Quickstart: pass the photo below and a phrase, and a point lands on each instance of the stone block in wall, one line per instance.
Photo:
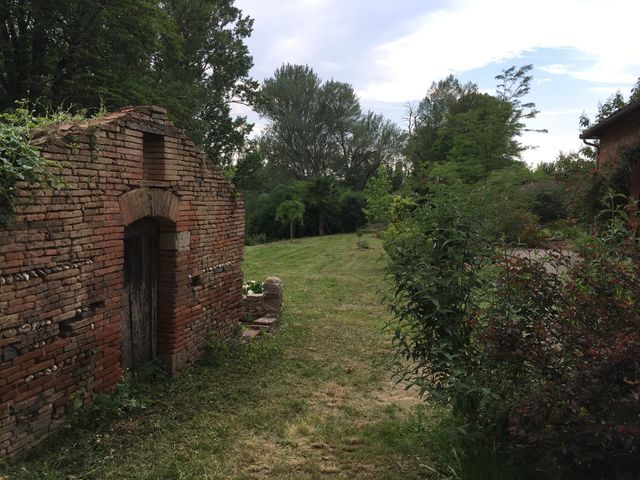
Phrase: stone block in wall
(265, 304)
(272, 297)
(179, 241)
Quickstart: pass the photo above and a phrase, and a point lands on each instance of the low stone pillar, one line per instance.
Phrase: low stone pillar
(272, 298)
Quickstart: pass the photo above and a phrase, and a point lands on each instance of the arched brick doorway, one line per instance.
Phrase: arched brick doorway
(140, 293)
(149, 275)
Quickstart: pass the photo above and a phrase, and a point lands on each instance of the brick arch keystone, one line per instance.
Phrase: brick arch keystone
(148, 202)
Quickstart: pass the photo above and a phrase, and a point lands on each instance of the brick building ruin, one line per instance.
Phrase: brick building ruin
(138, 257)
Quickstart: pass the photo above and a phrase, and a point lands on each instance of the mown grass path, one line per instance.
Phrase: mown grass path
(313, 401)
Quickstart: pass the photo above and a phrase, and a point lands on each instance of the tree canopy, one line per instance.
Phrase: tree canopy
(187, 55)
(476, 132)
(318, 129)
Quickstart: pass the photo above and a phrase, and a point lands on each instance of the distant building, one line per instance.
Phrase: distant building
(615, 133)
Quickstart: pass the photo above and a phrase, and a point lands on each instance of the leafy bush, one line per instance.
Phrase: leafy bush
(560, 354)
(533, 235)
(349, 214)
(583, 186)
(567, 229)
(539, 355)
(434, 259)
(378, 195)
(503, 202)
(545, 199)
(20, 160)
(363, 244)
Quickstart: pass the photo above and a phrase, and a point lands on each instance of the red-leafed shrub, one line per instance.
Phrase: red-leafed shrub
(539, 354)
(559, 347)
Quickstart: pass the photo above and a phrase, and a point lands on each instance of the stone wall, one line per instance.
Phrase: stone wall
(61, 265)
(265, 304)
(253, 306)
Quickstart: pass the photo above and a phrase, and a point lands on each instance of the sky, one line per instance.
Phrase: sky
(392, 50)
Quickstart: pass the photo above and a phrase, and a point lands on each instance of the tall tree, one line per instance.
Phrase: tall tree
(188, 55)
(212, 73)
(479, 137)
(371, 142)
(477, 132)
(304, 116)
(318, 129)
(431, 114)
(321, 194)
(79, 51)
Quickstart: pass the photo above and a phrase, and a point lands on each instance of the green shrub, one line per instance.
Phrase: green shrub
(252, 286)
(546, 199)
(255, 239)
(434, 258)
(21, 163)
(533, 235)
(536, 356)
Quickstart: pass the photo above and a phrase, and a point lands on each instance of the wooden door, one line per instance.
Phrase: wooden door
(139, 326)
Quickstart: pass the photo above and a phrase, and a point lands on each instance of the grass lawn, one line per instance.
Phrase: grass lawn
(314, 400)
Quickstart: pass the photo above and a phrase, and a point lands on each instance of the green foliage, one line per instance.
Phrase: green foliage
(20, 160)
(188, 55)
(515, 85)
(317, 129)
(133, 394)
(362, 244)
(252, 286)
(532, 353)
(321, 194)
(349, 214)
(616, 175)
(546, 199)
(502, 202)
(401, 208)
(434, 259)
(479, 137)
(468, 133)
(619, 218)
(378, 196)
(249, 172)
(255, 239)
(558, 346)
(635, 92)
(583, 187)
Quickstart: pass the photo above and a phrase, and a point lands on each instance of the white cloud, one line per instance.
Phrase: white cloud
(554, 68)
(470, 34)
(392, 51)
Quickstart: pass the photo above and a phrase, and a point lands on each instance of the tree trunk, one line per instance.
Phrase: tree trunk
(320, 221)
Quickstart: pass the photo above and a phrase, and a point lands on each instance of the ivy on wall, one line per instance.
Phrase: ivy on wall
(20, 162)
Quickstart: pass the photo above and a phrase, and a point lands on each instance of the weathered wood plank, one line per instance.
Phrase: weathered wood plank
(141, 278)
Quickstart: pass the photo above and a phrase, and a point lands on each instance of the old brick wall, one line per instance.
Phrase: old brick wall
(61, 265)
